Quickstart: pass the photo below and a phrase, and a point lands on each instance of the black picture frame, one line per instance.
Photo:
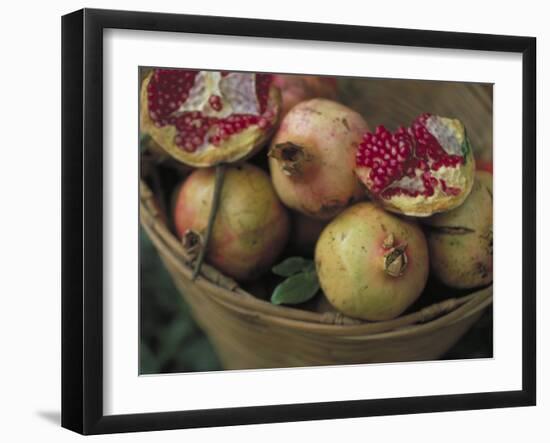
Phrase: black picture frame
(82, 220)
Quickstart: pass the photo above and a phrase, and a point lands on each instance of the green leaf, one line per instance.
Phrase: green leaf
(466, 145)
(298, 288)
(292, 265)
(143, 141)
(310, 267)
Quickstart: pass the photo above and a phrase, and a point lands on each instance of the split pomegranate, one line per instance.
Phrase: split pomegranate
(204, 118)
(297, 88)
(312, 157)
(370, 263)
(418, 171)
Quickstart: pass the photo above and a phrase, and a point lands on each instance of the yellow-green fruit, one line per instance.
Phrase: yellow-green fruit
(461, 241)
(251, 227)
(371, 264)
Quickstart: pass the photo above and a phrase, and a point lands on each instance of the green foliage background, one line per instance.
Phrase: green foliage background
(171, 341)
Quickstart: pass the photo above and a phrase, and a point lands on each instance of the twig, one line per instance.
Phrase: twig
(218, 184)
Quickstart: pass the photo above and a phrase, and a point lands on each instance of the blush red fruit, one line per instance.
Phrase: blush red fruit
(312, 158)
(298, 88)
(251, 227)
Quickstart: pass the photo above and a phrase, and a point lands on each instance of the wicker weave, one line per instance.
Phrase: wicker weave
(248, 332)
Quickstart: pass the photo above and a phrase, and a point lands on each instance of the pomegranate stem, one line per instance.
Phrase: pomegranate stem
(218, 184)
(291, 157)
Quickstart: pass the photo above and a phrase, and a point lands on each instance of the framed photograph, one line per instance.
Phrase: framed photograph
(269, 221)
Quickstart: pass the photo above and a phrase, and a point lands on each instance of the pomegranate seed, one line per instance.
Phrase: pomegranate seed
(215, 102)
(408, 152)
(168, 90)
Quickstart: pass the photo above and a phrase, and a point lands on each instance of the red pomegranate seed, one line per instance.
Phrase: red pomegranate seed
(405, 153)
(216, 102)
(168, 90)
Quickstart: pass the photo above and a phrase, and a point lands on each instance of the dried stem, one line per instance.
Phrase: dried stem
(218, 184)
(292, 158)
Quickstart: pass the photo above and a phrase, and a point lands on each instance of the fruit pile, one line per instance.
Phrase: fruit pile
(284, 183)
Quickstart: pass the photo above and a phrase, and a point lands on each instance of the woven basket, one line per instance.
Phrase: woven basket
(249, 332)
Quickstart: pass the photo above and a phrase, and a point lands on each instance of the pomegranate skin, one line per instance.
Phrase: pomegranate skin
(485, 166)
(297, 88)
(461, 241)
(312, 158)
(251, 227)
(351, 258)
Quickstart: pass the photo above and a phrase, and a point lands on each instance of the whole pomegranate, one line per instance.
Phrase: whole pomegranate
(371, 264)
(312, 158)
(420, 170)
(297, 88)
(461, 241)
(203, 118)
(251, 227)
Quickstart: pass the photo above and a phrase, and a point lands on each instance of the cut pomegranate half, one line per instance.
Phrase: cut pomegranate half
(204, 118)
(418, 171)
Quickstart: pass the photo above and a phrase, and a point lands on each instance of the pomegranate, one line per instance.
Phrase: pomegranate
(371, 264)
(485, 166)
(461, 241)
(420, 170)
(251, 227)
(204, 118)
(312, 157)
(297, 88)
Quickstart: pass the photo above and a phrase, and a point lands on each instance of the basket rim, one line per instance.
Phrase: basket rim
(369, 329)
(232, 296)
